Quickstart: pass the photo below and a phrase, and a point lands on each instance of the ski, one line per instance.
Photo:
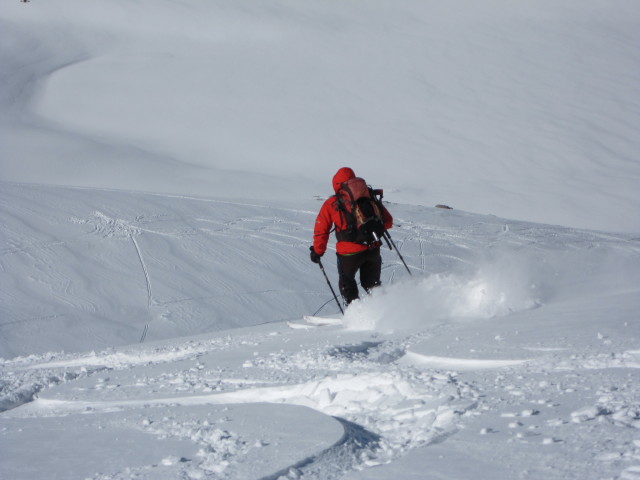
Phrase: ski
(322, 321)
(301, 326)
(311, 322)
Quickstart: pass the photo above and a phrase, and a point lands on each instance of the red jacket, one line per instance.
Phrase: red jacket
(330, 215)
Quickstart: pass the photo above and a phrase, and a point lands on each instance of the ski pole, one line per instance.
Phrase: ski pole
(329, 283)
(389, 239)
(377, 196)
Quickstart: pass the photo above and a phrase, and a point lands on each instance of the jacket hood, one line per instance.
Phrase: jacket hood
(342, 175)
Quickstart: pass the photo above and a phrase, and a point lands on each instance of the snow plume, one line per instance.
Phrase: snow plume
(496, 288)
(504, 280)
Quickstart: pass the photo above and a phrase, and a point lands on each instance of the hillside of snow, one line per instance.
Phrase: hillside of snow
(512, 350)
(526, 110)
(162, 164)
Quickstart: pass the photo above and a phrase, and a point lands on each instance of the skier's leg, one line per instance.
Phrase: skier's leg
(347, 268)
(370, 270)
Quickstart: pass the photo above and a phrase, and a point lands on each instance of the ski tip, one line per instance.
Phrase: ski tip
(301, 326)
(313, 320)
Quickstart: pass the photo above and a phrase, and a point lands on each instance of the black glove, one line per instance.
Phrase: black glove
(315, 258)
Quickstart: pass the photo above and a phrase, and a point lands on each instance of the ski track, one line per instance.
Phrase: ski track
(393, 402)
(384, 411)
(148, 283)
(390, 397)
(147, 279)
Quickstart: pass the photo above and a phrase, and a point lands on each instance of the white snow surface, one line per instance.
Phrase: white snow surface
(527, 110)
(162, 164)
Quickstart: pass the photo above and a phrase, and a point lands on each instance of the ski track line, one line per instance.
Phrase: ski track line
(396, 263)
(402, 242)
(148, 282)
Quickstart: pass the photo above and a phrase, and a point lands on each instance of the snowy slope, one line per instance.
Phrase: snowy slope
(525, 110)
(100, 268)
(512, 350)
(161, 335)
(88, 269)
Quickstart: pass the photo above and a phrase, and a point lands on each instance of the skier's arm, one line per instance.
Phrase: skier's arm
(322, 228)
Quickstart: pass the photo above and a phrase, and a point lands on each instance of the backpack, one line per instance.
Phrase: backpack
(363, 215)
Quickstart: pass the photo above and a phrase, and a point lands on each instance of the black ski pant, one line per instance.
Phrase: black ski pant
(369, 263)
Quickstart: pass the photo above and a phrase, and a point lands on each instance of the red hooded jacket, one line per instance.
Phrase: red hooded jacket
(330, 215)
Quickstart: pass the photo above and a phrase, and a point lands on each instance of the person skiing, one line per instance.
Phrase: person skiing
(354, 252)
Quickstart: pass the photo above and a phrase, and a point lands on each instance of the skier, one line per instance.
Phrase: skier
(353, 255)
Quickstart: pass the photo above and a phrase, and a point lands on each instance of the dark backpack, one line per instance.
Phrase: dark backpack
(362, 213)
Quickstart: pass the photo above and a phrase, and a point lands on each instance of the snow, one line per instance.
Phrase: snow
(522, 110)
(162, 165)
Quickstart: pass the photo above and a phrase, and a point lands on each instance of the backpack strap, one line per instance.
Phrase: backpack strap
(348, 234)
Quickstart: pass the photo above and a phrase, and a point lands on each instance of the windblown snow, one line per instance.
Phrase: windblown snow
(162, 166)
